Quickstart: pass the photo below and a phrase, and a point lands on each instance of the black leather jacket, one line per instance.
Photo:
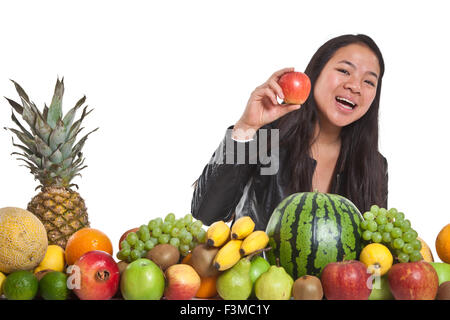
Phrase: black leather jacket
(229, 189)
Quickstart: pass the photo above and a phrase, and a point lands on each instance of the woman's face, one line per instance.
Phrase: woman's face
(347, 85)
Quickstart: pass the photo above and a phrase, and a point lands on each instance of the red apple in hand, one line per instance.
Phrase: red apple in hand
(296, 87)
(413, 281)
(346, 280)
(94, 276)
(183, 282)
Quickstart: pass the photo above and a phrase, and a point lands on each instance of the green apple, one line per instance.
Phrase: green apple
(443, 271)
(142, 280)
(381, 289)
(258, 266)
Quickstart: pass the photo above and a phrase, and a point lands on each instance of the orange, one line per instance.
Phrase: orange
(85, 240)
(207, 284)
(443, 244)
(207, 288)
(187, 258)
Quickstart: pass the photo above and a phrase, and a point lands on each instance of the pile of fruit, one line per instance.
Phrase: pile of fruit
(85, 268)
(315, 245)
(224, 262)
(182, 233)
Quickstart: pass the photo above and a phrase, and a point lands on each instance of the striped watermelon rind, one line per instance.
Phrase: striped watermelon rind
(311, 229)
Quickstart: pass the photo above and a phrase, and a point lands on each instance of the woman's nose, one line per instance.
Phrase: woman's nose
(354, 85)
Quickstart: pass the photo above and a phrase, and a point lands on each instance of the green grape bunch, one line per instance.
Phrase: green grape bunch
(183, 233)
(390, 228)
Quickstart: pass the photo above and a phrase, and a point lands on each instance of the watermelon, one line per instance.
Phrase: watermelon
(311, 229)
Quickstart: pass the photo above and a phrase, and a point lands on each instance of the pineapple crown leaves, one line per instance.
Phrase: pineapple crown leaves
(48, 148)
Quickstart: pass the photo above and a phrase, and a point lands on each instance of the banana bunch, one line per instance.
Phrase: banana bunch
(241, 240)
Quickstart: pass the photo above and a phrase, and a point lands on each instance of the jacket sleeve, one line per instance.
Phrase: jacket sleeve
(220, 187)
(385, 184)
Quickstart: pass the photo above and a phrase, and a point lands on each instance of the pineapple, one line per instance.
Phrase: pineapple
(50, 152)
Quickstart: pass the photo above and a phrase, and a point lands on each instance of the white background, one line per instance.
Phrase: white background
(166, 79)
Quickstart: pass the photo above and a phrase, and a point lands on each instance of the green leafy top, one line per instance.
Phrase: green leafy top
(49, 149)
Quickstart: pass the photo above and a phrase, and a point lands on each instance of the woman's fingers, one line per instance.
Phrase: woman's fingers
(286, 108)
(276, 88)
(277, 74)
(273, 81)
(293, 107)
(263, 106)
(265, 91)
(269, 92)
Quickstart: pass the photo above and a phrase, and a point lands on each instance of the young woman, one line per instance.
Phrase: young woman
(328, 144)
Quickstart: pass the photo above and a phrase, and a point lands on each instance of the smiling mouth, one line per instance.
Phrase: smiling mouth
(345, 103)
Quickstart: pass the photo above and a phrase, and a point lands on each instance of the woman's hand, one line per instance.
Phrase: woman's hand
(263, 107)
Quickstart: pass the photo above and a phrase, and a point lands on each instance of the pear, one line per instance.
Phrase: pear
(235, 283)
(274, 284)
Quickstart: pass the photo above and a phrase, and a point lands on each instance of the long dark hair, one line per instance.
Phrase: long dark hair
(359, 161)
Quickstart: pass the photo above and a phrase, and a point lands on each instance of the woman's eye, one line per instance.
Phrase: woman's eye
(343, 71)
(370, 83)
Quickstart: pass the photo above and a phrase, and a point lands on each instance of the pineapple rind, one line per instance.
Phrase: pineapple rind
(62, 211)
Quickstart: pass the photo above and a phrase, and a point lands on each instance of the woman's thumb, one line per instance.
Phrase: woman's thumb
(292, 107)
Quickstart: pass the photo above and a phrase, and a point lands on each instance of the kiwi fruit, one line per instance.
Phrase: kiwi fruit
(443, 291)
(39, 275)
(307, 288)
(164, 255)
(202, 260)
(122, 265)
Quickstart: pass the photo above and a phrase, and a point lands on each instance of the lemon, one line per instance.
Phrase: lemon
(2, 278)
(377, 258)
(53, 259)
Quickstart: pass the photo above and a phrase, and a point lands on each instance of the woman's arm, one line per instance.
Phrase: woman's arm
(220, 187)
(221, 184)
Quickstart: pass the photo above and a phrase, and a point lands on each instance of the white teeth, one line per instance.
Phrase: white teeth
(348, 101)
(346, 107)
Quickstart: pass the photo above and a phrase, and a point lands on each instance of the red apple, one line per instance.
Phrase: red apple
(346, 280)
(183, 282)
(94, 276)
(296, 87)
(413, 281)
(125, 235)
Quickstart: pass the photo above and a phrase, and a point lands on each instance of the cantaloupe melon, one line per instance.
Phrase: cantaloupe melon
(425, 251)
(23, 240)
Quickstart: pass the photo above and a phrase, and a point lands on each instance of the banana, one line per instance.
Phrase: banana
(228, 255)
(242, 228)
(254, 241)
(218, 233)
